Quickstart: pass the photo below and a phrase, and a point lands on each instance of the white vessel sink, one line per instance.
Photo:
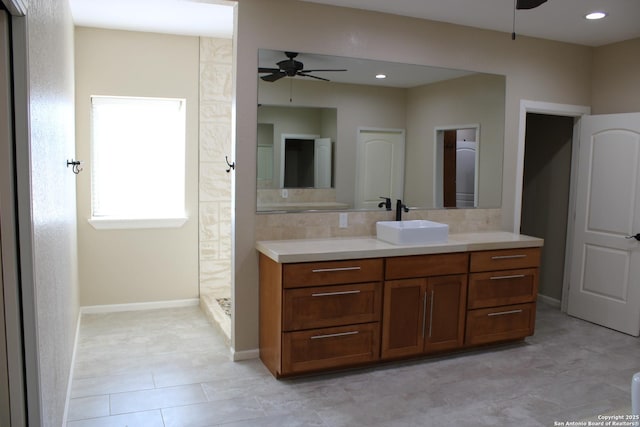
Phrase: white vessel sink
(412, 232)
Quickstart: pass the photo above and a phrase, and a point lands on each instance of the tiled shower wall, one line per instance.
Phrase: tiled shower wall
(215, 182)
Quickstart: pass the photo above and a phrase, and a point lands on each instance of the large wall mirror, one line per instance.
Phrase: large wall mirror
(340, 140)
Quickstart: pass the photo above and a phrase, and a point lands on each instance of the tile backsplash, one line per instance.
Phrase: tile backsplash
(309, 225)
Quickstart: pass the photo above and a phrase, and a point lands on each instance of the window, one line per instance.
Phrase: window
(137, 162)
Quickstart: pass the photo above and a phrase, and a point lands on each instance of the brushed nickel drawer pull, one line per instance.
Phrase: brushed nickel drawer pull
(424, 313)
(508, 256)
(341, 334)
(502, 313)
(431, 313)
(514, 276)
(329, 270)
(328, 294)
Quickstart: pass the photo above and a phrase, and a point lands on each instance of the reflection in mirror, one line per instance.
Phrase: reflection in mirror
(429, 136)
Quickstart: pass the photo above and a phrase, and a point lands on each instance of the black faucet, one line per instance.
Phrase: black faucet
(386, 203)
(399, 208)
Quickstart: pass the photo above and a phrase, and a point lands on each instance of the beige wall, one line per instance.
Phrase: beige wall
(616, 78)
(142, 265)
(476, 99)
(535, 69)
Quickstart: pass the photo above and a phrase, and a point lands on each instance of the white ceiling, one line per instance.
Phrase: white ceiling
(363, 71)
(561, 20)
(210, 18)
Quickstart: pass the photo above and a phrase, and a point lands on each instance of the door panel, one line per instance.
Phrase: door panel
(605, 265)
(605, 272)
(614, 171)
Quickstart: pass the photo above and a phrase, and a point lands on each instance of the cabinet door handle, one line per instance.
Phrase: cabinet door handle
(341, 334)
(502, 313)
(431, 313)
(424, 313)
(509, 256)
(513, 276)
(329, 270)
(328, 294)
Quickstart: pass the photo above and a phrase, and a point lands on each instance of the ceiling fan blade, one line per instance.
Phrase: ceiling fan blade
(273, 77)
(528, 4)
(314, 71)
(313, 77)
(268, 70)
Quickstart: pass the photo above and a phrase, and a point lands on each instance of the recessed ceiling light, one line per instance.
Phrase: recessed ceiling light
(381, 76)
(595, 15)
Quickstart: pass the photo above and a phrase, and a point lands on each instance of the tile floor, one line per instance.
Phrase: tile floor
(171, 368)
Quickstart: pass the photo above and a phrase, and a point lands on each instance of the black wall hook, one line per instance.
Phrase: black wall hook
(75, 166)
(231, 165)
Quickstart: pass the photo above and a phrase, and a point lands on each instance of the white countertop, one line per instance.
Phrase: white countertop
(341, 248)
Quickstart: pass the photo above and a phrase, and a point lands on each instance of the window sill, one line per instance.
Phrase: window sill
(136, 223)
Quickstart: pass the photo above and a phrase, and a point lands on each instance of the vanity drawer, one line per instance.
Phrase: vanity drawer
(500, 323)
(319, 307)
(405, 267)
(332, 272)
(502, 288)
(330, 347)
(504, 259)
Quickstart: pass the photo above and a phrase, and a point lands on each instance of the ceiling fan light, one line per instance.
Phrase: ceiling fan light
(595, 15)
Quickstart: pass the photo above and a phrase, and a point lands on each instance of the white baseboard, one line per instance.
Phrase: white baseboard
(237, 356)
(556, 303)
(112, 308)
(65, 414)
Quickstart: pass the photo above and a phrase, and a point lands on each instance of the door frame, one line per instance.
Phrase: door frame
(552, 109)
(438, 155)
(17, 242)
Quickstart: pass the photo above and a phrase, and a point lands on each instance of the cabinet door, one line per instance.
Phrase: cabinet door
(403, 320)
(445, 311)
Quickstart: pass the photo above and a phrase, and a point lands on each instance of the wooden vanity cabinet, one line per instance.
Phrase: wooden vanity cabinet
(424, 304)
(319, 315)
(503, 287)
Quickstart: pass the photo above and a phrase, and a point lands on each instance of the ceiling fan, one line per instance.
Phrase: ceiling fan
(523, 5)
(289, 68)
(528, 4)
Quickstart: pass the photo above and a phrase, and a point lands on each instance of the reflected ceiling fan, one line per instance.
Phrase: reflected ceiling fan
(523, 5)
(528, 4)
(289, 68)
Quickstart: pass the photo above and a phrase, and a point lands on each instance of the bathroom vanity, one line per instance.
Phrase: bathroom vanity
(335, 303)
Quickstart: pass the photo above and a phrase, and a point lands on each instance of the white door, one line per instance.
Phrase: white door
(322, 163)
(379, 166)
(605, 264)
(465, 174)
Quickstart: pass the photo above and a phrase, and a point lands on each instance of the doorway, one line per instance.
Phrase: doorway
(544, 163)
(379, 166)
(456, 166)
(545, 195)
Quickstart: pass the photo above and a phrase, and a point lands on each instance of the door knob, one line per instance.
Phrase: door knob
(637, 237)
